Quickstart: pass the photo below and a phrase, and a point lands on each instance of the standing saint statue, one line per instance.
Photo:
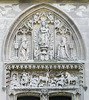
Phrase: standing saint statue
(23, 51)
(62, 49)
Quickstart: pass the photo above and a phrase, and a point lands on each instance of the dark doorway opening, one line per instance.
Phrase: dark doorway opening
(28, 98)
(60, 98)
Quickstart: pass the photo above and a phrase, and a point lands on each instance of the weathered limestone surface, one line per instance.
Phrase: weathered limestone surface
(79, 13)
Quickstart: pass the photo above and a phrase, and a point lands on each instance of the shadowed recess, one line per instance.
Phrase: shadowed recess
(28, 98)
(60, 98)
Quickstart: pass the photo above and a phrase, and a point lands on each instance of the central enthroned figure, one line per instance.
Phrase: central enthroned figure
(44, 34)
(44, 40)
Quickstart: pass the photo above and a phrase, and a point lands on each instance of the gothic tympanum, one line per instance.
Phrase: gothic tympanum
(46, 36)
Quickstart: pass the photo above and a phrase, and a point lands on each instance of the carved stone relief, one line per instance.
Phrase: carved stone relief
(44, 37)
(43, 54)
(44, 78)
(14, 79)
(21, 47)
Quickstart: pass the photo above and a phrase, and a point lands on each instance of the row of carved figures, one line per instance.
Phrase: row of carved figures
(43, 52)
(41, 80)
(36, 39)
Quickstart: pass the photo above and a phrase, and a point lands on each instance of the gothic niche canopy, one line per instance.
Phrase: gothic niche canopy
(44, 36)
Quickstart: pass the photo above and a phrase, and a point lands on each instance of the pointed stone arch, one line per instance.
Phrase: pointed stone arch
(32, 10)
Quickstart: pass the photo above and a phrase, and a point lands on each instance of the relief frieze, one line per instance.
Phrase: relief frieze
(44, 78)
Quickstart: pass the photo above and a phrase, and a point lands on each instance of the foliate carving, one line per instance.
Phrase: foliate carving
(50, 17)
(59, 26)
(44, 36)
(43, 16)
(36, 18)
(44, 78)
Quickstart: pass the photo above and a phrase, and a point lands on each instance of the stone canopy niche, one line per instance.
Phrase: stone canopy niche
(42, 53)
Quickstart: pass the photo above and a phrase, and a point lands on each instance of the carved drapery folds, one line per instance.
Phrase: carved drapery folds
(44, 37)
(21, 47)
